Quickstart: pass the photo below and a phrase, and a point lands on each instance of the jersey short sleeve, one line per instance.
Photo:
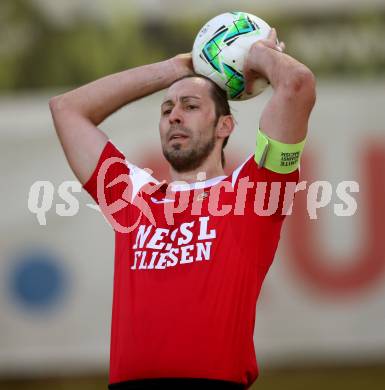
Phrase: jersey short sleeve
(267, 186)
(117, 185)
(113, 162)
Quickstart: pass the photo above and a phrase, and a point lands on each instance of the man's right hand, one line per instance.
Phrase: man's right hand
(182, 64)
(77, 113)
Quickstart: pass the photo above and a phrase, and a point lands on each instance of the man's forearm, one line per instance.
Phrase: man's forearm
(277, 67)
(99, 99)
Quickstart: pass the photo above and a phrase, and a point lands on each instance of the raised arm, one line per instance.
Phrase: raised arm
(76, 114)
(285, 117)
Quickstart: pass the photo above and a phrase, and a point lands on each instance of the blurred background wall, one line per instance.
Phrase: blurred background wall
(321, 316)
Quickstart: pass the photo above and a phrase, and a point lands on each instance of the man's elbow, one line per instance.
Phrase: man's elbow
(56, 104)
(65, 105)
(300, 84)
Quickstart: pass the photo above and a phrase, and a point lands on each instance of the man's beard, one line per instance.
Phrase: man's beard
(185, 159)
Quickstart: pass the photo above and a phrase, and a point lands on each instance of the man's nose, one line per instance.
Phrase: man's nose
(176, 115)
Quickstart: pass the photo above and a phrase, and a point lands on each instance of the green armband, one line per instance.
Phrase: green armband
(277, 156)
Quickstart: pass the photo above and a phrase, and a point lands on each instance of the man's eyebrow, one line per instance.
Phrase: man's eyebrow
(189, 97)
(182, 98)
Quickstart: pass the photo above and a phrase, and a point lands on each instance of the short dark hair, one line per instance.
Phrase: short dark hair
(222, 106)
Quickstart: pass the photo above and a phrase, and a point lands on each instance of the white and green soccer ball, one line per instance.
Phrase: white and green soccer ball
(220, 49)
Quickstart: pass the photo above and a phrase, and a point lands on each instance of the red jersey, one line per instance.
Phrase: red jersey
(189, 264)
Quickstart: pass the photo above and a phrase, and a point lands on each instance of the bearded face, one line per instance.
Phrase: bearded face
(188, 124)
(186, 151)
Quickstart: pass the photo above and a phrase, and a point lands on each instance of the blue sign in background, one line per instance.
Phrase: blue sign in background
(37, 279)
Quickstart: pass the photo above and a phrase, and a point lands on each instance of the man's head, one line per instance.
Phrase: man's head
(195, 122)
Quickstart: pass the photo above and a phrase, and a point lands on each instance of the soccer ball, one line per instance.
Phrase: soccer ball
(220, 49)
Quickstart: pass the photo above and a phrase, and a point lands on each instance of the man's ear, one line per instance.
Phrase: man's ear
(225, 126)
